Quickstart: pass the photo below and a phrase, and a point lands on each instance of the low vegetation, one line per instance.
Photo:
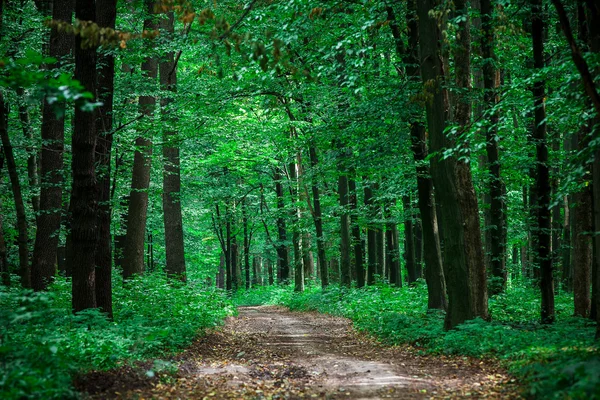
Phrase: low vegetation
(43, 345)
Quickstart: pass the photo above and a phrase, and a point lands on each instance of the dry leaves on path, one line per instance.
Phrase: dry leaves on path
(271, 353)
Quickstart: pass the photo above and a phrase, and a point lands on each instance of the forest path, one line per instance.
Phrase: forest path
(270, 352)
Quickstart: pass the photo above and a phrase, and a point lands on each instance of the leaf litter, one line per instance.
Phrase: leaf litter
(271, 353)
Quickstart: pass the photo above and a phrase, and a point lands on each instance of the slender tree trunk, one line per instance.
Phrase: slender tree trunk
(392, 256)
(4, 272)
(345, 275)
(43, 267)
(246, 244)
(418, 241)
(371, 236)
(173, 220)
(106, 13)
(543, 233)
(356, 239)
(133, 260)
(409, 243)
(24, 270)
(84, 195)
(491, 80)
(32, 154)
(318, 218)
(229, 270)
(454, 188)
(282, 250)
(296, 217)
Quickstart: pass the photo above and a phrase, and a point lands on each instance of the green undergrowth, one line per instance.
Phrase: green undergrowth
(553, 362)
(43, 345)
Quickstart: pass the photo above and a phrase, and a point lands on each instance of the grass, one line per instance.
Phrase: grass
(43, 345)
(560, 361)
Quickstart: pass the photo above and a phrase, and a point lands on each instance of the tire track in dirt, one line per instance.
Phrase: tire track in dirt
(272, 353)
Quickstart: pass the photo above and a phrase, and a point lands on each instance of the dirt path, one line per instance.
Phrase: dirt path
(269, 352)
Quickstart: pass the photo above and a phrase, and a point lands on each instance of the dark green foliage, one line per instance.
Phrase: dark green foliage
(42, 345)
(559, 361)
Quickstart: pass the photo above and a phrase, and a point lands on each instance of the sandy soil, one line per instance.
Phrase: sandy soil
(271, 353)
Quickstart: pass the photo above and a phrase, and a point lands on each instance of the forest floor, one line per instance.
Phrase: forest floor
(272, 353)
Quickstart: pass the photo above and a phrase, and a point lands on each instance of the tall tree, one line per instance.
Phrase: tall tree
(491, 81)
(542, 184)
(43, 266)
(451, 177)
(84, 196)
(318, 217)
(133, 259)
(173, 220)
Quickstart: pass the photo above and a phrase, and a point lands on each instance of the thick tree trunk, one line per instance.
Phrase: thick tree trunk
(497, 227)
(582, 263)
(543, 189)
(11, 166)
(133, 259)
(454, 188)
(106, 13)
(43, 267)
(418, 235)
(318, 218)
(173, 221)
(84, 195)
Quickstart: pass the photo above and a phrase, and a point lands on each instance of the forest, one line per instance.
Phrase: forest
(284, 199)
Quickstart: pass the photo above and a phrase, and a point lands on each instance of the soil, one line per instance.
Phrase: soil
(272, 353)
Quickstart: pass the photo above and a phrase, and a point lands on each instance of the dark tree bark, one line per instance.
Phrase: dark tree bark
(543, 189)
(33, 165)
(4, 272)
(173, 220)
(418, 240)
(359, 265)
(107, 14)
(11, 166)
(371, 236)
(454, 188)
(282, 250)
(582, 263)
(345, 274)
(43, 267)
(246, 244)
(497, 227)
(133, 260)
(409, 241)
(432, 254)
(392, 256)
(84, 195)
(318, 218)
(295, 214)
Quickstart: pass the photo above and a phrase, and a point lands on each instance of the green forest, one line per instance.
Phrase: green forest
(286, 199)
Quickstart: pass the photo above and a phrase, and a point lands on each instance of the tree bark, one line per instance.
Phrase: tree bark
(133, 259)
(282, 250)
(392, 256)
(173, 221)
(497, 227)
(371, 235)
(345, 275)
(454, 188)
(318, 218)
(543, 189)
(107, 14)
(4, 272)
(43, 267)
(409, 241)
(84, 195)
(294, 172)
(359, 265)
(24, 270)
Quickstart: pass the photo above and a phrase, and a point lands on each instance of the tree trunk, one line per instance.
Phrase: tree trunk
(497, 227)
(32, 153)
(409, 241)
(454, 188)
(392, 256)
(345, 275)
(24, 270)
(43, 267)
(282, 250)
(4, 272)
(318, 218)
(246, 244)
(294, 171)
(371, 235)
(84, 195)
(418, 241)
(133, 259)
(106, 13)
(543, 189)
(173, 221)
(359, 265)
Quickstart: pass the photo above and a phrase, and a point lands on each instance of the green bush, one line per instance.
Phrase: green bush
(42, 344)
